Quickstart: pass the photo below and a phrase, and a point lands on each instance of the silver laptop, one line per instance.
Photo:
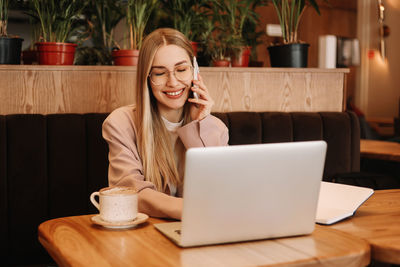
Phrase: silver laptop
(248, 192)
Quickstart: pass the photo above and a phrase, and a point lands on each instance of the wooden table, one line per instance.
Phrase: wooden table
(384, 126)
(378, 222)
(383, 150)
(75, 241)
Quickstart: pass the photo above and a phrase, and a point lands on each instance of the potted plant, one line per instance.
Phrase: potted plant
(215, 36)
(252, 38)
(188, 17)
(57, 20)
(237, 13)
(138, 13)
(292, 52)
(10, 46)
(102, 16)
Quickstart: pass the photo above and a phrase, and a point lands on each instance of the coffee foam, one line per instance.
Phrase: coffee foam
(119, 191)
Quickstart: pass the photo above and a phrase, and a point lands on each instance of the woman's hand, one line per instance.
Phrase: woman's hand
(158, 204)
(201, 107)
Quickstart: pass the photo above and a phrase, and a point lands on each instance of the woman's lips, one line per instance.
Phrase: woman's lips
(174, 94)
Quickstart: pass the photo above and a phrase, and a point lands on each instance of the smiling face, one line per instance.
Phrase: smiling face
(171, 96)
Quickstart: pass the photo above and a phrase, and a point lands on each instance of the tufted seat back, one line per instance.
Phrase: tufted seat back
(339, 129)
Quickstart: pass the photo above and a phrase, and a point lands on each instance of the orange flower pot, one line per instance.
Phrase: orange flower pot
(242, 60)
(125, 57)
(221, 63)
(53, 53)
(195, 45)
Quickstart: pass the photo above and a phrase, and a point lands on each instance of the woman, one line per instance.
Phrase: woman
(147, 142)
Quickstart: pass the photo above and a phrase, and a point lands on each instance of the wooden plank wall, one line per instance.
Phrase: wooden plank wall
(83, 89)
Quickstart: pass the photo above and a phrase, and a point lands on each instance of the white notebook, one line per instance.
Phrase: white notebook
(338, 201)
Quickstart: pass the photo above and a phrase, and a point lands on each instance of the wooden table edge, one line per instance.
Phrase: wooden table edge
(379, 252)
(371, 155)
(384, 254)
(364, 254)
(54, 253)
(367, 152)
(361, 257)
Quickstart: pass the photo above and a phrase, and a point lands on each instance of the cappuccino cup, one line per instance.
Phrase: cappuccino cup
(116, 204)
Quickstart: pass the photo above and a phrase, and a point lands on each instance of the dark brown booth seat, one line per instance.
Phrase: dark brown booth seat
(50, 164)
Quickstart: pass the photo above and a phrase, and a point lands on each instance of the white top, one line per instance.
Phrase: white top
(172, 127)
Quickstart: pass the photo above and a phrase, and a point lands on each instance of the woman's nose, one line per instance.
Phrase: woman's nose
(172, 81)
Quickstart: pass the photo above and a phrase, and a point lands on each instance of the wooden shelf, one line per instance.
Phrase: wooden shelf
(84, 89)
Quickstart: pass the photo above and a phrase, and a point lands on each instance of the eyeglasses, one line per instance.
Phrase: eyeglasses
(160, 76)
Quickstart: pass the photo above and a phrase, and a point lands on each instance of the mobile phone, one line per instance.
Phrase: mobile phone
(195, 75)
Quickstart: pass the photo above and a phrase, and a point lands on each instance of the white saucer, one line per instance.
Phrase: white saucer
(141, 218)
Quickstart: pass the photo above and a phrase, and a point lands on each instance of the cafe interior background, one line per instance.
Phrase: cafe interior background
(373, 83)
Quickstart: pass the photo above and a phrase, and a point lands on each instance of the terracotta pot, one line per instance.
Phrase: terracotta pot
(242, 60)
(195, 45)
(29, 57)
(53, 53)
(221, 63)
(125, 57)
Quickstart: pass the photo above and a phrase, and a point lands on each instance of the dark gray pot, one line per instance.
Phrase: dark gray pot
(289, 55)
(10, 50)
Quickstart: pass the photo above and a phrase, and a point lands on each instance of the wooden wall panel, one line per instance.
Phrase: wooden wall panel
(38, 89)
(275, 90)
(83, 89)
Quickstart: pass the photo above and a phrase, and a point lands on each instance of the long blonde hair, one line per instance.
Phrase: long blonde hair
(159, 165)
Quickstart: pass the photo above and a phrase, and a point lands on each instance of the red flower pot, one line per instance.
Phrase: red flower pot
(242, 60)
(221, 63)
(53, 53)
(125, 57)
(195, 45)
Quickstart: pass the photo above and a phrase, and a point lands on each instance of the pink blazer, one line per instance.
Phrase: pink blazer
(125, 164)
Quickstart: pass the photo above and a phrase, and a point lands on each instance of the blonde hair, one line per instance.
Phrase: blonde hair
(159, 165)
